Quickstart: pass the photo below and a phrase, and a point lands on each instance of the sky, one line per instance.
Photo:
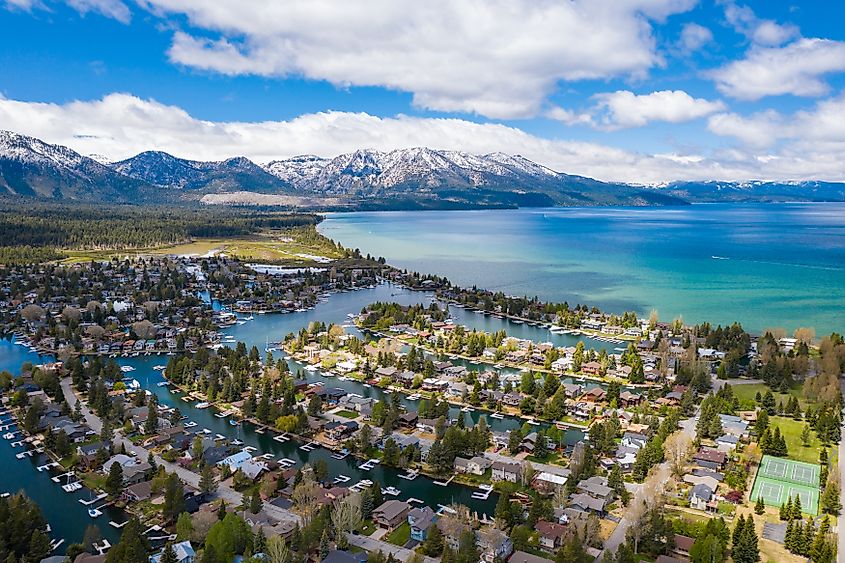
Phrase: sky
(644, 91)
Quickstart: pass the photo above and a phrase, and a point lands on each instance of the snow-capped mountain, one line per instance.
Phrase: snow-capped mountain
(164, 170)
(419, 168)
(31, 167)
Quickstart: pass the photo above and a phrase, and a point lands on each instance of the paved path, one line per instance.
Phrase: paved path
(400, 553)
(231, 496)
(662, 473)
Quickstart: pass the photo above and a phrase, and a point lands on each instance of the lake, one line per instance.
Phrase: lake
(765, 265)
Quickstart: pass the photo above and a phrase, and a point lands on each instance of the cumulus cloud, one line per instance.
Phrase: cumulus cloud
(820, 128)
(495, 58)
(797, 68)
(759, 31)
(625, 109)
(694, 37)
(109, 8)
(121, 125)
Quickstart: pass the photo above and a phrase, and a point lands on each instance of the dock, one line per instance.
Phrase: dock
(47, 466)
(309, 447)
(114, 524)
(58, 478)
(413, 500)
(54, 544)
(483, 493)
(286, 462)
(343, 454)
(93, 500)
(341, 479)
(444, 483)
(410, 475)
(281, 438)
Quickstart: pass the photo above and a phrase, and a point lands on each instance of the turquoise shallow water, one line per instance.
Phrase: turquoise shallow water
(765, 265)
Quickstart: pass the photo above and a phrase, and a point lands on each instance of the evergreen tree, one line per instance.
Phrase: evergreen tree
(759, 508)
(169, 554)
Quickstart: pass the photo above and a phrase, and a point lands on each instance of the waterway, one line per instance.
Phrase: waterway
(69, 518)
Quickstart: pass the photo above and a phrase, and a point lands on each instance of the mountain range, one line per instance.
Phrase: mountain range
(364, 179)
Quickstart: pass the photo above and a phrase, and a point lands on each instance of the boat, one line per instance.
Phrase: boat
(467, 409)
(234, 423)
(392, 491)
(93, 512)
(126, 369)
(203, 405)
(162, 383)
(159, 367)
(497, 416)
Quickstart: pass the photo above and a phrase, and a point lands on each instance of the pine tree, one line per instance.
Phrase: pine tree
(759, 508)
(789, 537)
(168, 555)
(786, 509)
(796, 508)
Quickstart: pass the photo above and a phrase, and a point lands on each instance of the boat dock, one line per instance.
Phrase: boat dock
(341, 479)
(58, 478)
(444, 483)
(286, 462)
(367, 465)
(309, 447)
(93, 500)
(410, 475)
(114, 524)
(484, 494)
(47, 466)
(343, 454)
(413, 500)
(281, 438)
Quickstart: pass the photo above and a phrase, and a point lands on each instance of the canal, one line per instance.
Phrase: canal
(69, 518)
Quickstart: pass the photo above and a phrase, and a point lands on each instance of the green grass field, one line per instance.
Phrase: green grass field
(400, 535)
(746, 394)
(791, 430)
(778, 479)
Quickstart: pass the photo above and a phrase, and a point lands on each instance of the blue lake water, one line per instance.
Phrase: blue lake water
(765, 265)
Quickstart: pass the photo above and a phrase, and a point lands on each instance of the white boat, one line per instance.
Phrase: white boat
(202, 405)
(497, 415)
(392, 491)
(126, 369)
(93, 512)
(159, 368)
(467, 409)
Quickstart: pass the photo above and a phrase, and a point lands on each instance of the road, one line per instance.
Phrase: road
(661, 474)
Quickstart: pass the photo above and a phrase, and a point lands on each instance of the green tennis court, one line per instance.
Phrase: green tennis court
(778, 479)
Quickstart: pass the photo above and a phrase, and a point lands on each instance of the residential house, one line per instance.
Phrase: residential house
(551, 535)
(420, 520)
(391, 514)
(494, 543)
(184, 553)
(701, 498)
(505, 471)
(524, 557)
(710, 458)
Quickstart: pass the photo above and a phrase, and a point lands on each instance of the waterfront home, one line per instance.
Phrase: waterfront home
(551, 535)
(330, 396)
(433, 384)
(505, 471)
(235, 461)
(184, 553)
(547, 483)
(710, 458)
(573, 390)
(591, 368)
(405, 378)
(701, 498)
(391, 514)
(387, 371)
(137, 492)
(421, 520)
(337, 431)
(88, 453)
(594, 395)
(524, 557)
(476, 466)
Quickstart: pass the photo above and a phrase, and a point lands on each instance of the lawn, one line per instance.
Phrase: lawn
(747, 393)
(400, 535)
(791, 430)
(347, 414)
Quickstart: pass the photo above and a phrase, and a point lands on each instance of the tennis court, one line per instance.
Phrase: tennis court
(779, 479)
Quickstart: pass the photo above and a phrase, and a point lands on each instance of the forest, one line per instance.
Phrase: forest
(37, 231)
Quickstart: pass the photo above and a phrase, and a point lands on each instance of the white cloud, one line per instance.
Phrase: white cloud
(625, 109)
(569, 117)
(498, 58)
(820, 128)
(797, 68)
(694, 37)
(759, 31)
(121, 125)
(109, 8)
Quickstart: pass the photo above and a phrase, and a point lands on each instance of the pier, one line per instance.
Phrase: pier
(47, 466)
(444, 483)
(309, 447)
(410, 475)
(93, 500)
(281, 438)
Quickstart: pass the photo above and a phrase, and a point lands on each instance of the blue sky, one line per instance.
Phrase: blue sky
(636, 90)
